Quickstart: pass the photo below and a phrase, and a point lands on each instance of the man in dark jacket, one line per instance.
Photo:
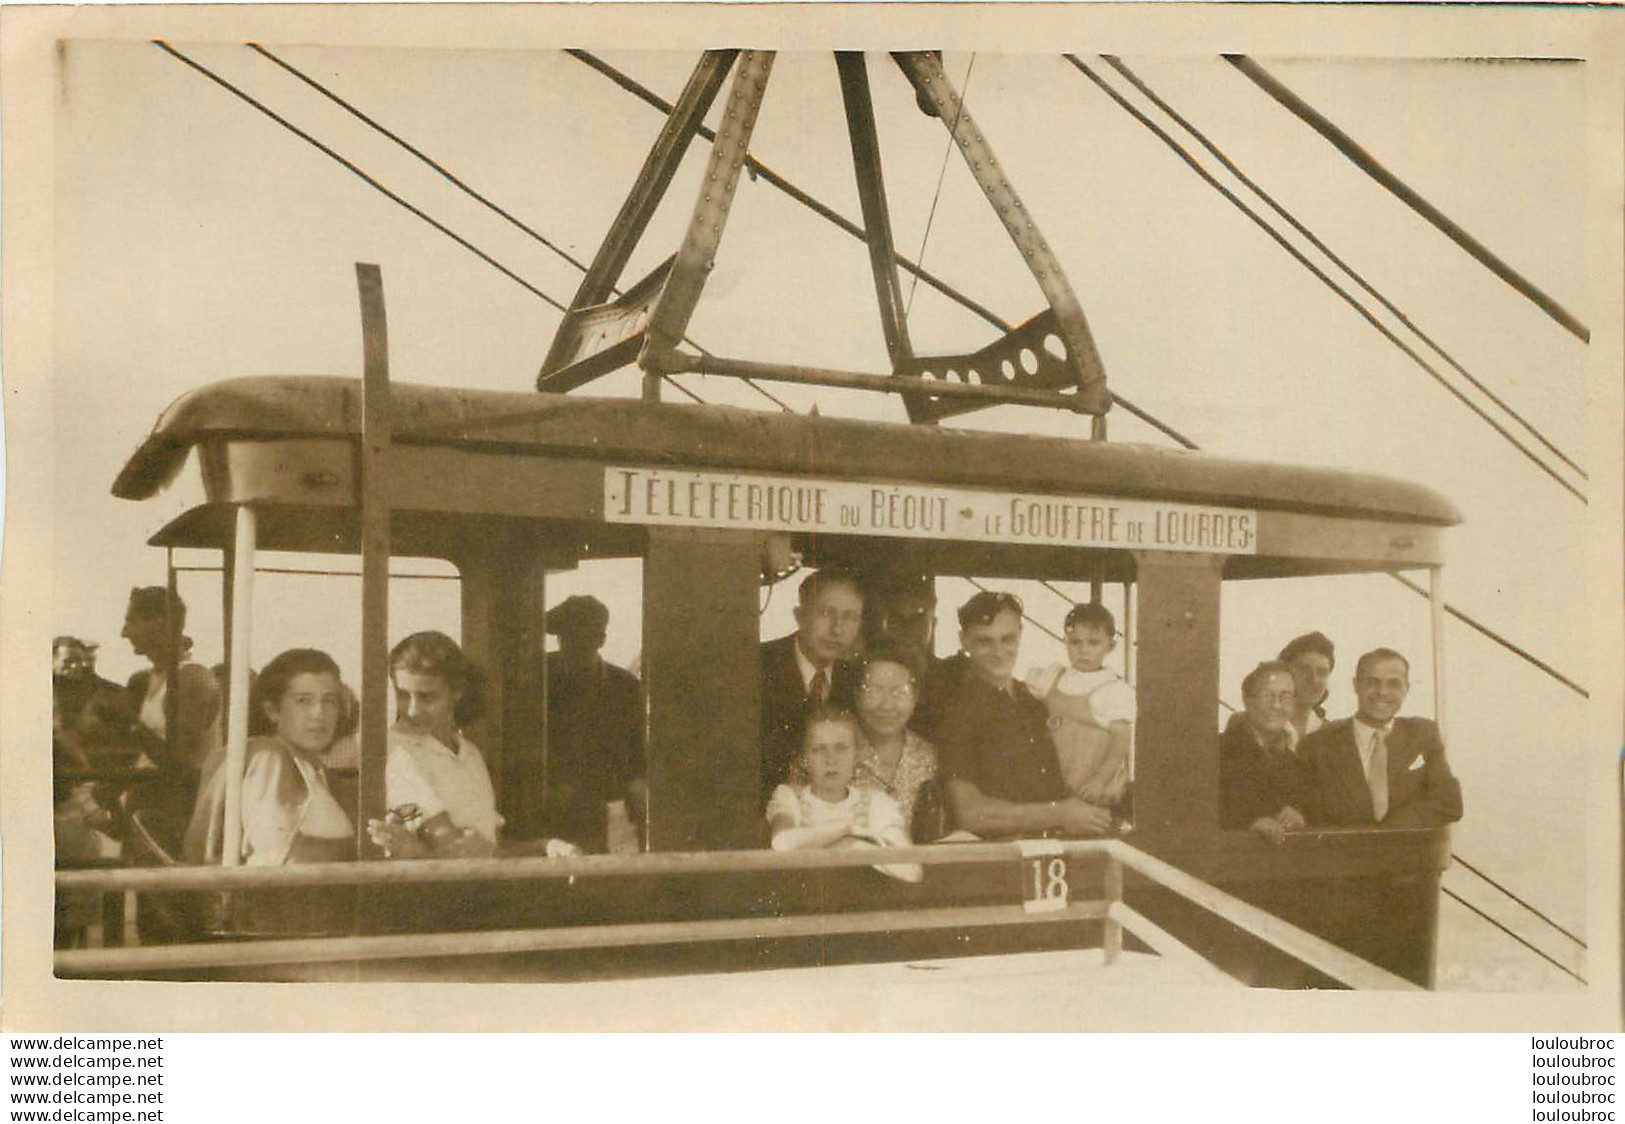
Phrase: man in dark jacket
(808, 667)
(594, 728)
(1376, 768)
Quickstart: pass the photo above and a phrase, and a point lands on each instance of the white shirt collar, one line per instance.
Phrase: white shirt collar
(429, 741)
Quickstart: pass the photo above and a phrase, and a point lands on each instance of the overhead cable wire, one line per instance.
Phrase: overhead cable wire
(1559, 965)
(1369, 164)
(1190, 161)
(1484, 630)
(355, 170)
(358, 173)
(446, 174)
(823, 210)
(1399, 314)
(942, 174)
(1469, 866)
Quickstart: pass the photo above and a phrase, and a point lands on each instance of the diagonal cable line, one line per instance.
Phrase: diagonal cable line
(1484, 630)
(942, 173)
(1368, 164)
(374, 184)
(1201, 138)
(446, 174)
(1469, 866)
(357, 172)
(1544, 956)
(1190, 161)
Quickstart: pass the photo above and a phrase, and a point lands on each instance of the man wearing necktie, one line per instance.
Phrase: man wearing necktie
(808, 667)
(1376, 768)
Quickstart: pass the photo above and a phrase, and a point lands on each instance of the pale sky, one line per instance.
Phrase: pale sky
(199, 241)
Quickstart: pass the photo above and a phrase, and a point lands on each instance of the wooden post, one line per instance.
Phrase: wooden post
(228, 566)
(504, 577)
(701, 670)
(242, 626)
(375, 439)
(1129, 644)
(1176, 778)
(1112, 939)
(173, 636)
(1436, 609)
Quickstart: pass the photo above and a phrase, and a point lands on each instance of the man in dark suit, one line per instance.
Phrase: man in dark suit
(1376, 768)
(808, 666)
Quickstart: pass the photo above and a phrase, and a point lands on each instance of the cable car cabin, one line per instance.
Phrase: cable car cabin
(509, 487)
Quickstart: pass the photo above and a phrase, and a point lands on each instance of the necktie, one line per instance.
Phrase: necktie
(1377, 775)
(820, 686)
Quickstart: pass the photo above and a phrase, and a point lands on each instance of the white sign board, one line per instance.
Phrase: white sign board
(849, 507)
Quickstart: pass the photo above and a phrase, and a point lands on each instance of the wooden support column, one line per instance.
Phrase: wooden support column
(174, 635)
(1176, 777)
(700, 669)
(374, 481)
(504, 582)
(237, 663)
(1436, 611)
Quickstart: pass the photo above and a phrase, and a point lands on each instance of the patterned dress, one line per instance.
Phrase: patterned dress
(917, 765)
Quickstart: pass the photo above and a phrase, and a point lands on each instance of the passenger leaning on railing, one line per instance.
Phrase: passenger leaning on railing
(435, 780)
(829, 809)
(1263, 784)
(1003, 778)
(289, 813)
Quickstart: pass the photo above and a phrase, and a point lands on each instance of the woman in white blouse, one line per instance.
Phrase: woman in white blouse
(435, 779)
(289, 813)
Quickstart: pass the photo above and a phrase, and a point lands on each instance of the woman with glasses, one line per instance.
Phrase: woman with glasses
(1262, 783)
(892, 757)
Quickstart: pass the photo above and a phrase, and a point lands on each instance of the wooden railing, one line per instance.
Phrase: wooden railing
(1319, 954)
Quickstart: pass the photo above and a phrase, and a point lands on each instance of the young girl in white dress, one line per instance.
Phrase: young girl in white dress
(829, 810)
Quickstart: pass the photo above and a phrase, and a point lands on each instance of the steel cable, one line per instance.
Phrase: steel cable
(446, 174)
(1399, 314)
(1190, 161)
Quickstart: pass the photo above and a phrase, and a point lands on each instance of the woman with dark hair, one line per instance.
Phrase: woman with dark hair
(289, 813)
(892, 757)
(435, 780)
(1311, 658)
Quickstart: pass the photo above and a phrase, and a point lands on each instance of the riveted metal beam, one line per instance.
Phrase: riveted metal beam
(935, 93)
(697, 255)
(860, 124)
(583, 323)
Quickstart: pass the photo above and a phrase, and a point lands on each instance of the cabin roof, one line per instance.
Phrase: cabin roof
(719, 437)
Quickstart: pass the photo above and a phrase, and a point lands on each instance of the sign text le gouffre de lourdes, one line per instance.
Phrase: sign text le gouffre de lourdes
(849, 507)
